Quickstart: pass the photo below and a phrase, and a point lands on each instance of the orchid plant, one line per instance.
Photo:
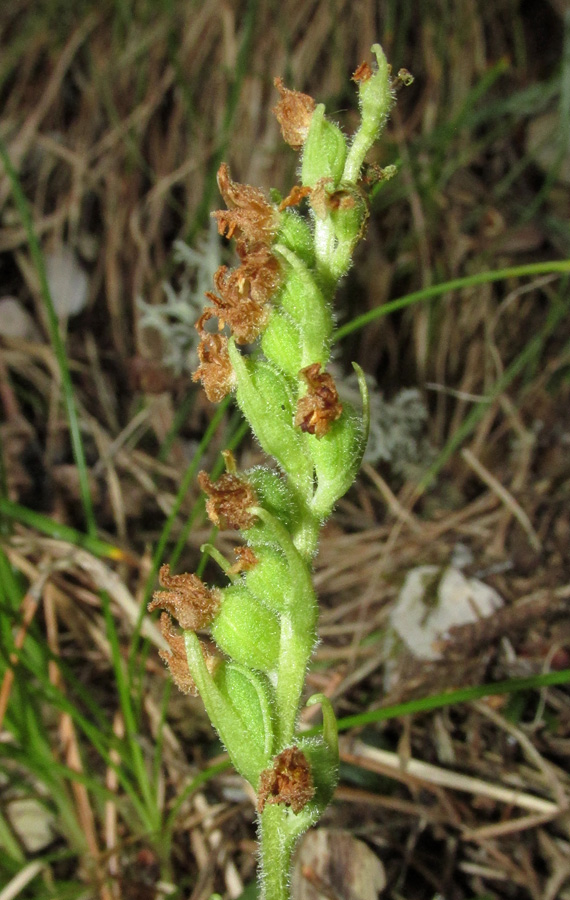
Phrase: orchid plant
(262, 624)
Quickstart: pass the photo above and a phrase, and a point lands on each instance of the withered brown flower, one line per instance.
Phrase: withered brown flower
(294, 113)
(187, 599)
(363, 72)
(229, 500)
(215, 370)
(259, 274)
(288, 781)
(320, 406)
(249, 215)
(246, 560)
(176, 659)
(297, 193)
(246, 316)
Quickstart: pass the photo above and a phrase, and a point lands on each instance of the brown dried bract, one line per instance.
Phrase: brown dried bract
(246, 560)
(249, 215)
(363, 72)
(294, 113)
(215, 370)
(229, 500)
(320, 406)
(187, 599)
(288, 781)
(297, 193)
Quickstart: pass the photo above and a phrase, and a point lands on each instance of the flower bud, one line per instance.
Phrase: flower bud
(281, 343)
(324, 152)
(375, 93)
(295, 234)
(270, 580)
(265, 399)
(337, 456)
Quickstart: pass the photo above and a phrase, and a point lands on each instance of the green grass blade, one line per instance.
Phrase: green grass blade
(60, 532)
(131, 726)
(456, 284)
(56, 340)
(450, 698)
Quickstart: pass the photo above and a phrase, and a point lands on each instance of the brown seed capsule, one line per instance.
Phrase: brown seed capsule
(187, 599)
(294, 113)
(288, 781)
(249, 215)
(215, 370)
(320, 406)
(229, 500)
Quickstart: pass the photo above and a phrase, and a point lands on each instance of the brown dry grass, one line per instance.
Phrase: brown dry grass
(116, 126)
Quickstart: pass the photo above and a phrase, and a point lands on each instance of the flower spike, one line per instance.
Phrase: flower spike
(263, 622)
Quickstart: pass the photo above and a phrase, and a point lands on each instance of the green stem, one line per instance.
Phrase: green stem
(277, 842)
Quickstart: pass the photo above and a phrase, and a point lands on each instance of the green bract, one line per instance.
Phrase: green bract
(263, 623)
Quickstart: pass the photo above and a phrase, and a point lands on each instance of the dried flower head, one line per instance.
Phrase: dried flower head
(229, 500)
(288, 781)
(249, 215)
(246, 316)
(187, 599)
(320, 406)
(215, 370)
(260, 273)
(294, 113)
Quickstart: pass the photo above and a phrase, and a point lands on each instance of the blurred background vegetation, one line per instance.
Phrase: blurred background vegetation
(114, 119)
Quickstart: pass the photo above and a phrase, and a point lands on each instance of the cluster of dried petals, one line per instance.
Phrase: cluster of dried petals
(320, 406)
(215, 370)
(259, 274)
(249, 216)
(288, 781)
(186, 598)
(243, 295)
(230, 499)
(246, 560)
(294, 113)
